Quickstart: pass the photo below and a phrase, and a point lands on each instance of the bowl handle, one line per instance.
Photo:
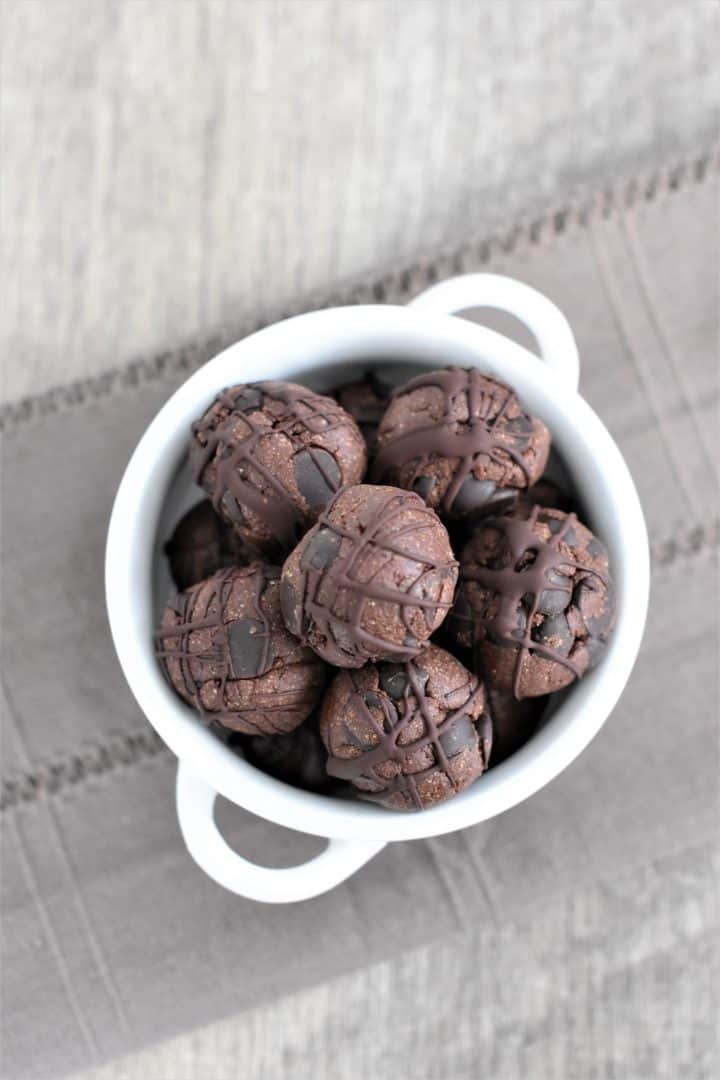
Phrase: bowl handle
(543, 319)
(195, 802)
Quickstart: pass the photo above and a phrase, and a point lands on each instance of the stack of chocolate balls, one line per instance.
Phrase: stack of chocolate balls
(382, 588)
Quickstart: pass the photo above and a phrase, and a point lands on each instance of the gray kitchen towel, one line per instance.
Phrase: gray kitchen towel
(112, 938)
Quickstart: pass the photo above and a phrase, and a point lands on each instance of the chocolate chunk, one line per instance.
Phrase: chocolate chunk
(351, 739)
(317, 475)
(423, 485)
(485, 729)
(248, 399)
(501, 502)
(473, 494)
(251, 652)
(519, 425)
(554, 601)
(321, 549)
(373, 700)
(290, 607)
(597, 548)
(232, 510)
(597, 605)
(460, 736)
(393, 680)
(386, 708)
(554, 630)
(595, 650)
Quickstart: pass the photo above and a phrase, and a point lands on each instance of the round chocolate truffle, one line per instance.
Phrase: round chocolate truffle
(372, 580)
(270, 455)
(366, 401)
(462, 440)
(225, 649)
(535, 598)
(297, 758)
(407, 735)
(201, 544)
(546, 493)
(513, 721)
(555, 488)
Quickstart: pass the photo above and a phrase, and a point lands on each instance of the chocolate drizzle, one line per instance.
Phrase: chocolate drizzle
(487, 434)
(335, 586)
(407, 685)
(538, 577)
(242, 480)
(241, 649)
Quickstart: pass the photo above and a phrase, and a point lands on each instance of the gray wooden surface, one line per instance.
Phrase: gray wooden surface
(612, 984)
(167, 167)
(170, 167)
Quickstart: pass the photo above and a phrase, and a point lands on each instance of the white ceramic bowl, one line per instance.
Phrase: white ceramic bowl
(321, 349)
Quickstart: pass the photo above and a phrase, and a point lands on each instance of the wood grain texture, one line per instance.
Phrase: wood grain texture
(618, 983)
(171, 167)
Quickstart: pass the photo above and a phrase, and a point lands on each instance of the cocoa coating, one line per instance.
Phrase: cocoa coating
(461, 440)
(225, 649)
(407, 735)
(297, 758)
(535, 598)
(270, 455)
(372, 580)
(366, 400)
(201, 544)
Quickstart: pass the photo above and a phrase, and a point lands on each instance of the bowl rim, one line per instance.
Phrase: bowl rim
(319, 340)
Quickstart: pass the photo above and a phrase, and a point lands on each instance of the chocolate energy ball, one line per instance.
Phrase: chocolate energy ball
(461, 440)
(535, 598)
(513, 721)
(224, 648)
(407, 735)
(546, 493)
(297, 758)
(366, 401)
(555, 487)
(372, 580)
(201, 544)
(270, 455)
